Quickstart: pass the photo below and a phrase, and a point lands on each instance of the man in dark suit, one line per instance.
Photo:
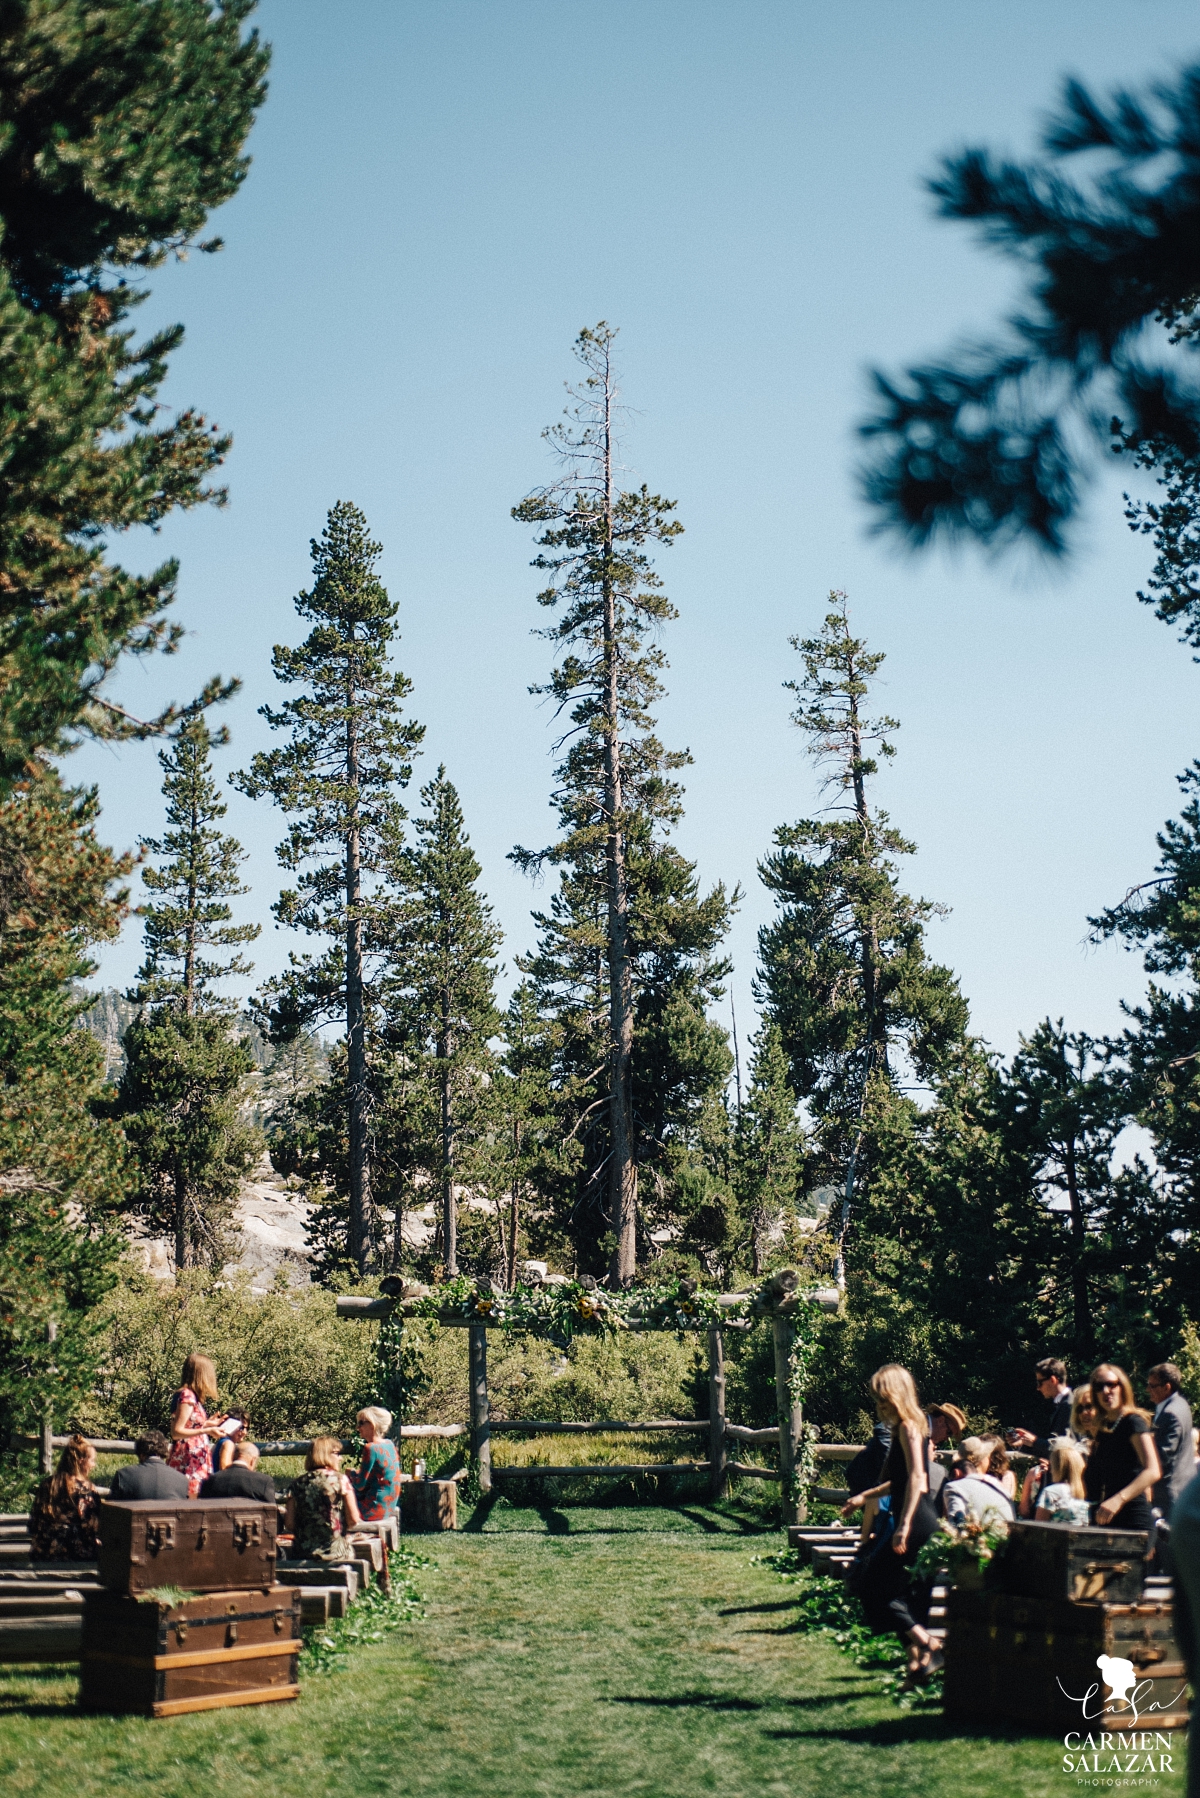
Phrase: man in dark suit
(241, 1480)
(1173, 1434)
(151, 1478)
(1053, 1416)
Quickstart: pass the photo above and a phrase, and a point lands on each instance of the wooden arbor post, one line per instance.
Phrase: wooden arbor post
(790, 1418)
(718, 1479)
(481, 1434)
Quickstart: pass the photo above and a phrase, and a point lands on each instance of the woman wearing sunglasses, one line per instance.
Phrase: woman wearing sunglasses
(1123, 1464)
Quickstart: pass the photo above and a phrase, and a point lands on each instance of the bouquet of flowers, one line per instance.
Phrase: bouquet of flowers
(965, 1549)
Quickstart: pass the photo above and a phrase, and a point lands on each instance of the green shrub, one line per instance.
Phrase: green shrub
(283, 1355)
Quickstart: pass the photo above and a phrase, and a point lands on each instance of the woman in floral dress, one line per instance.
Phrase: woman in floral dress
(192, 1429)
(64, 1524)
(321, 1506)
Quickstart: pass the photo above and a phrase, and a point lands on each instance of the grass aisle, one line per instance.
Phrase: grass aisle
(565, 1654)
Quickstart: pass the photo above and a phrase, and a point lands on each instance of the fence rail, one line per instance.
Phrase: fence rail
(420, 1432)
(594, 1469)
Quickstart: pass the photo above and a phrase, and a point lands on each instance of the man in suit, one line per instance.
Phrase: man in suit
(1054, 1410)
(241, 1479)
(1173, 1434)
(151, 1478)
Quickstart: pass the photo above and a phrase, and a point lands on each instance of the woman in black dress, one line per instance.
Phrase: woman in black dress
(890, 1597)
(1123, 1464)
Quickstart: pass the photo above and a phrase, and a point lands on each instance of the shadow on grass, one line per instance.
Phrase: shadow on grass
(21, 1703)
(894, 1732)
(706, 1701)
(754, 1610)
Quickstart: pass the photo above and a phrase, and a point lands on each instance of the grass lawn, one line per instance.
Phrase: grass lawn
(607, 1653)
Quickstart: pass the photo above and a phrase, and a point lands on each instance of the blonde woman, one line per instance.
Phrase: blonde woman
(891, 1598)
(377, 1482)
(1085, 1419)
(192, 1429)
(1064, 1500)
(1123, 1464)
(321, 1505)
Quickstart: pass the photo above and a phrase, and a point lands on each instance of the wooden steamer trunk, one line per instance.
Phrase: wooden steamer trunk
(153, 1658)
(1088, 1566)
(1028, 1654)
(197, 1545)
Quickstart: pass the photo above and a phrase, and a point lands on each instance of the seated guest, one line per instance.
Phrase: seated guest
(978, 1493)
(224, 1446)
(1052, 1412)
(377, 1482)
(151, 1478)
(64, 1523)
(1085, 1418)
(1174, 1436)
(1123, 1466)
(1037, 1477)
(321, 1506)
(242, 1479)
(1064, 1500)
(866, 1470)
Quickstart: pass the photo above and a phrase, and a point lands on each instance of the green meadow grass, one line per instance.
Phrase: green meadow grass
(614, 1652)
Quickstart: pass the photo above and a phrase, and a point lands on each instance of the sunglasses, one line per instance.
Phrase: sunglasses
(1108, 1385)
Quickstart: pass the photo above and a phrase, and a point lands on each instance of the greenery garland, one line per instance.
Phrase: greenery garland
(582, 1307)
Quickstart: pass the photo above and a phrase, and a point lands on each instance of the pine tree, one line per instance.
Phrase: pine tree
(990, 442)
(349, 749)
(63, 1169)
(844, 972)
(181, 1093)
(438, 995)
(627, 932)
(528, 1157)
(125, 122)
(769, 1154)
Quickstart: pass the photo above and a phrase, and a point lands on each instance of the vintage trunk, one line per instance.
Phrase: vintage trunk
(153, 1658)
(1060, 1560)
(198, 1545)
(1035, 1661)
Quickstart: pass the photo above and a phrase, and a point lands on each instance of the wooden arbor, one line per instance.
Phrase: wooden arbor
(777, 1301)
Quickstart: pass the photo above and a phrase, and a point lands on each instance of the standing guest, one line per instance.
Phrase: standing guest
(321, 1505)
(866, 1470)
(225, 1446)
(891, 1598)
(947, 1426)
(64, 1524)
(1064, 1500)
(1123, 1466)
(377, 1482)
(191, 1427)
(241, 1479)
(1085, 1418)
(151, 1478)
(977, 1492)
(1053, 1409)
(1174, 1436)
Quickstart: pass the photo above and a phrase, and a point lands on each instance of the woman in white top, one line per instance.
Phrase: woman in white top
(979, 1493)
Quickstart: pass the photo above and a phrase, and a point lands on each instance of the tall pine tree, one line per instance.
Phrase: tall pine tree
(438, 998)
(181, 1092)
(628, 945)
(349, 749)
(844, 971)
(769, 1153)
(124, 125)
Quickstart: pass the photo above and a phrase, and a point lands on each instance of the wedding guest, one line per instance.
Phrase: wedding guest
(64, 1522)
(891, 1598)
(377, 1482)
(192, 1428)
(152, 1477)
(224, 1449)
(1174, 1436)
(1085, 1418)
(1052, 1411)
(241, 1479)
(1123, 1466)
(1064, 1500)
(1000, 1469)
(977, 1492)
(321, 1505)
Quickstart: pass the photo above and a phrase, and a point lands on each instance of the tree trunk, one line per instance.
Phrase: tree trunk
(718, 1478)
(449, 1209)
(181, 1229)
(622, 1166)
(515, 1209)
(361, 1243)
(1079, 1290)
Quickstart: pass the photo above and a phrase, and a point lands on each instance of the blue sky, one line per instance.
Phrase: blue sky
(440, 197)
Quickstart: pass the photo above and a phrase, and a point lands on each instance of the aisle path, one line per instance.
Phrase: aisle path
(567, 1654)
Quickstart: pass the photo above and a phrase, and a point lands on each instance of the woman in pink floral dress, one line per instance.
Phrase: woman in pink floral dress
(191, 1426)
